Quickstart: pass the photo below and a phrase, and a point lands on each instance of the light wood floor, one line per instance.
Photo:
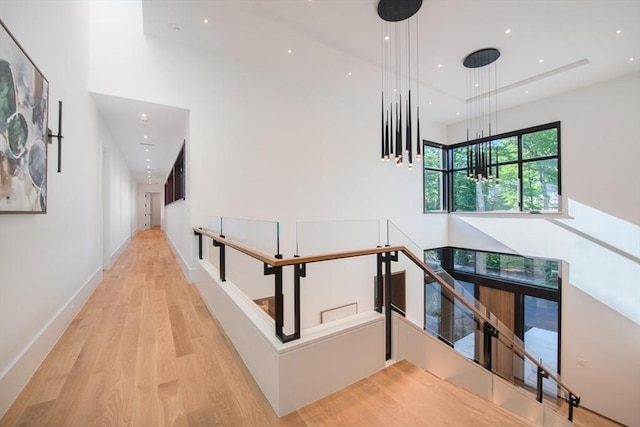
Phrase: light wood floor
(145, 351)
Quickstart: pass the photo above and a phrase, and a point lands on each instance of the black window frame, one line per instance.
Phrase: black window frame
(444, 176)
(175, 185)
(519, 289)
(448, 177)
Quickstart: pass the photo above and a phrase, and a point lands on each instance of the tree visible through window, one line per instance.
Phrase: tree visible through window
(524, 174)
(435, 161)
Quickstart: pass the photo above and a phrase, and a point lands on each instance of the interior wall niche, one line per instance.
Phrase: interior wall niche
(174, 187)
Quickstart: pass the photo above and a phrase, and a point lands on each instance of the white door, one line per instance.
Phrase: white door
(147, 211)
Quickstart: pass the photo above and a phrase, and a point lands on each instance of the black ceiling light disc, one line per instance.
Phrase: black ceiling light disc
(481, 57)
(398, 10)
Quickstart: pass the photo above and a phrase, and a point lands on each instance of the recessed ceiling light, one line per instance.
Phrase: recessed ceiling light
(458, 113)
(526, 91)
(430, 103)
(349, 72)
(148, 160)
(206, 21)
(507, 31)
(541, 60)
(146, 149)
(476, 85)
(289, 51)
(439, 65)
(146, 137)
(618, 31)
(386, 37)
(631, 59)
(144, 117)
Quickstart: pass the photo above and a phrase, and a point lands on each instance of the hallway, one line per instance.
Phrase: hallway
(143, 351)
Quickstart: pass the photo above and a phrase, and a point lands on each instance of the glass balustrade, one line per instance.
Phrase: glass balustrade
(450, 318)
(321, 237)
(422, 291)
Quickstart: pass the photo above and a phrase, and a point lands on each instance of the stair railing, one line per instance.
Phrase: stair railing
(273, 265)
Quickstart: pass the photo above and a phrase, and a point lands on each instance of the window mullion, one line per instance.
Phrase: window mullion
(520, 186)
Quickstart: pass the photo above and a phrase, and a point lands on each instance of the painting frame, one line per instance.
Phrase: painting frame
(24, 111)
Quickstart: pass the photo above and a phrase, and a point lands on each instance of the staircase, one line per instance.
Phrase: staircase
(405, 395)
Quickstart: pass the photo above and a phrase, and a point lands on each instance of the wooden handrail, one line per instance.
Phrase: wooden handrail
(277, 262)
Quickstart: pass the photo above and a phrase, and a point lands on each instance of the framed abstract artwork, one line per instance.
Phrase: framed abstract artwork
(24, 97)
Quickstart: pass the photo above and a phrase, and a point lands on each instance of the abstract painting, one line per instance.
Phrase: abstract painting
(24, 96)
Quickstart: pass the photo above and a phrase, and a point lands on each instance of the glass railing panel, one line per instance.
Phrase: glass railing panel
(262, 236)
(396, 237)
(504, 359)
(214, 224)
(323, 237)
(452, 322)
(449, 319)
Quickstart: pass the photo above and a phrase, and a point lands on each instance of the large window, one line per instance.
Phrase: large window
(522, 173)
(530, 271)
(435, 177)
(534, 310)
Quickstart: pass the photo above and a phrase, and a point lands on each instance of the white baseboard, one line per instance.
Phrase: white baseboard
(188, 272)
(116, 254)
(16, 376)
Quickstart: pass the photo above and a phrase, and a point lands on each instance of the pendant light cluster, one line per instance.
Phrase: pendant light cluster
(480, 163)
(399, 76)
(482, 113)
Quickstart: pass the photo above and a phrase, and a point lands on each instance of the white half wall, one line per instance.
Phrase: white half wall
(292, 375)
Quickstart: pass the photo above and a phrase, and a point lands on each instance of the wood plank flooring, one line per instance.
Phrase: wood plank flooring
(145, 351)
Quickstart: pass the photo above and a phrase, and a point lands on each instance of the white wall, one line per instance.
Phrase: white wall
(255, 150)
(49, 264)
(600, 176)
(119, 193)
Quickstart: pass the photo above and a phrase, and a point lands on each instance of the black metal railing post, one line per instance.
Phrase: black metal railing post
(541, 374)
(199, 243)
(489, 332)
(574, 402)
(277, 273)
(387, 258)
(300, 270)
(379, 289)
(223, 265)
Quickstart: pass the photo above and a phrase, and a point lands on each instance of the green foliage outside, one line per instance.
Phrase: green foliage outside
(538, 272)
(432, 159)
(539, 177)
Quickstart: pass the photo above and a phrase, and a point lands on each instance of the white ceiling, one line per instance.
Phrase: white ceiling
(577, 39)
(164, 130)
